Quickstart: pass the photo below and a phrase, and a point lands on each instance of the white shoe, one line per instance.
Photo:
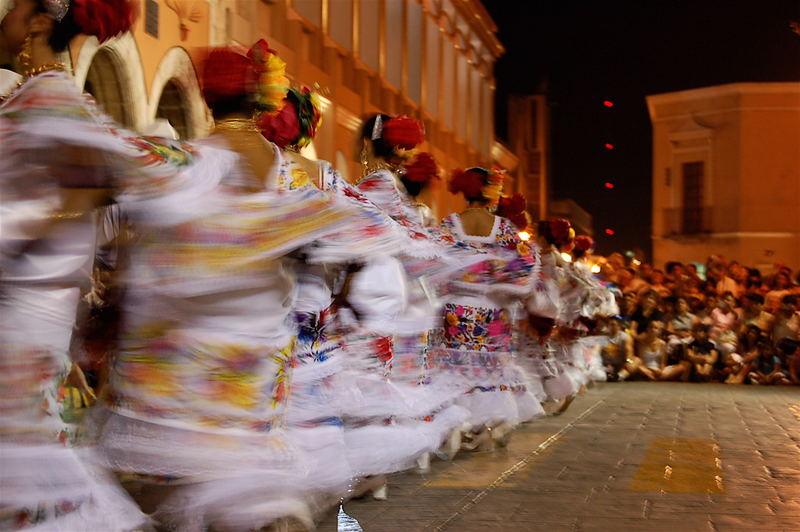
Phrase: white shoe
(451, 446)
(481, 442)
(424, 463)
(501, 434)
(381, 493)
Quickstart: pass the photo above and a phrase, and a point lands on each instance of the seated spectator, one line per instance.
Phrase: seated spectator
(792, 351)
(768, 367)
(617, 351)
(657, 284)
(646, 313)
(787, 320)
(702, 354)
(640, 282)
(753, 313)
(739, 364)
(781, 286)
(755, 283)
(652, 358)
(731, 281)
(724, 324)
(627, 308)
(703, 314)
(679, 327)
(624, 278)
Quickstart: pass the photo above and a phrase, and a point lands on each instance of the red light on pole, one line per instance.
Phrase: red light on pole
(609, 232)
(608, 103)
(609, 146)
(609, 185)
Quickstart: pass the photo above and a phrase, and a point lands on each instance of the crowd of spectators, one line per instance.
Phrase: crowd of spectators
(724, 323)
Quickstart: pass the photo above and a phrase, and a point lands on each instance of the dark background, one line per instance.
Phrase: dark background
(581, 53)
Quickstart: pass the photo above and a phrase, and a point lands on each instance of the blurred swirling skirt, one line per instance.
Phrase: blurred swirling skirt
(476, 346)
(45, 485)
(206, 413)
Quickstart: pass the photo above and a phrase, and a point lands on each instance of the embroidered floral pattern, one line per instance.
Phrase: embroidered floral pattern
(165, 374)
(476, 328)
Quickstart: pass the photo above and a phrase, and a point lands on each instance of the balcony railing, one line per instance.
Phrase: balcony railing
(687, 221)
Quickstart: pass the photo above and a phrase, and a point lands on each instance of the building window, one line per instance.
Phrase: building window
(692, 216)
(414, 49)
(369, 13)
(432, 44)
(151, 18)
(341, 23)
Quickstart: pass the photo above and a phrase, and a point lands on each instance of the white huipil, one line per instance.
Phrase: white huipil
(345, 410)
(47, 252)
(476, 342)
(198, 392)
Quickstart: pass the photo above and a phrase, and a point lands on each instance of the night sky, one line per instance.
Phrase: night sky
(581, 53)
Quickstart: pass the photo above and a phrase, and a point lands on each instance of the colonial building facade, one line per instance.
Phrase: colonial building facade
(431, 59)
(726, 173)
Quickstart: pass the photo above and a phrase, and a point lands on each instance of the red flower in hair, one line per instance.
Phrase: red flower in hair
(227, 73)
(259, 51)
(468, 183)
(560, 229)
(281, 127)
(403, 132)
(513, 208)
(422, 169)
(520, 220)
(584, 243)
(102, 18)
(511, 205)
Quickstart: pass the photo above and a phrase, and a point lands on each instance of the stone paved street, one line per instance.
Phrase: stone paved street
(626, 456)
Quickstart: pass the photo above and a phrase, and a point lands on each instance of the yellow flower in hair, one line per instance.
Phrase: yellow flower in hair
(273, 83)
(494, 186)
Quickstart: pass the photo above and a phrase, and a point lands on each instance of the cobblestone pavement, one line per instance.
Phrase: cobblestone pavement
(625, 456)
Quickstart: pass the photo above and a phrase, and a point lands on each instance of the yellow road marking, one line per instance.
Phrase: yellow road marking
(680, 465)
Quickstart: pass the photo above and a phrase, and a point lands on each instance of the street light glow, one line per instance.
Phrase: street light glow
(524, 235)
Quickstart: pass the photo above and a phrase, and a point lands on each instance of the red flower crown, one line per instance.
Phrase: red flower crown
(513, 208)
(402, 132)
(584, 243)
(422, 169)
(102, 18)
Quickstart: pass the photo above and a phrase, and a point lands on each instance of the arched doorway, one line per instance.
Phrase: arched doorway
(103, 83)
(171, 107)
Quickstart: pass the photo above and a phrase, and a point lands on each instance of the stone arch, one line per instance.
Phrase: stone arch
(114, 71)
(175, 94)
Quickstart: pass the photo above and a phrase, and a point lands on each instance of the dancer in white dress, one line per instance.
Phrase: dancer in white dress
(61, 158)
(477, 336)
